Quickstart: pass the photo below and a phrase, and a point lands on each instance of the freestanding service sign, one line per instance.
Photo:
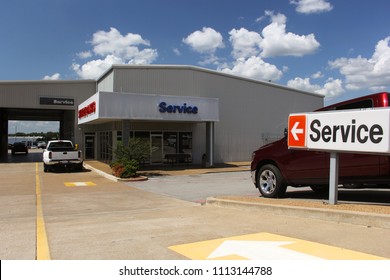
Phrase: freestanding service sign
(355, 131)
(358, 131)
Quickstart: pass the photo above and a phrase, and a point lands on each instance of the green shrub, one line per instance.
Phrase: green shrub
(127, 158)
(137, 149)
(125, 169)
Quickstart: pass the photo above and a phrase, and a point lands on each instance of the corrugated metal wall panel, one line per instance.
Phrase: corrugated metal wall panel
(106, 83)
(164, 81)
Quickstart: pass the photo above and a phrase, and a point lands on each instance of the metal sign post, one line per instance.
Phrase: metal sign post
(333, 178)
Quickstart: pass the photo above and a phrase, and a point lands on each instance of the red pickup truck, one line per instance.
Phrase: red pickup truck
(274, 166)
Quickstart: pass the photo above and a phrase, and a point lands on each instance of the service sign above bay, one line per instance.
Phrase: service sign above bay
(358, 131)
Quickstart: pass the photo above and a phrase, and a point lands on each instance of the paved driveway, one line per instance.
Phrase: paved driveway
(87, 216)
(197, 188)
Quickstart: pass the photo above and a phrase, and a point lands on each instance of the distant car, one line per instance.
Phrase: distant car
(41, 145)
(19, 147)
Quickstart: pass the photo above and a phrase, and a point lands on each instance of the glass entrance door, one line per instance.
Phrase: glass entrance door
(156, 141)
(89, 144)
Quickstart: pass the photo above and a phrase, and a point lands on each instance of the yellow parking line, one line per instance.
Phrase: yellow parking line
(43, 252)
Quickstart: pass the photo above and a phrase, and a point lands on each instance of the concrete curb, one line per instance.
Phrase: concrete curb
(112, 177)
(349, 217)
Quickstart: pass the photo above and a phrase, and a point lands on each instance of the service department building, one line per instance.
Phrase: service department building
(187, 114)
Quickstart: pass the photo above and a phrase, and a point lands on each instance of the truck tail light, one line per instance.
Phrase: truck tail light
(50, 156)
(79, 154)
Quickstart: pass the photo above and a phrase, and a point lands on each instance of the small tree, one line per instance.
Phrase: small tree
(128, 158)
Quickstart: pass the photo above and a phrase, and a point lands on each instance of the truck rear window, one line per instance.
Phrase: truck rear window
(357, 105)
(60, 146)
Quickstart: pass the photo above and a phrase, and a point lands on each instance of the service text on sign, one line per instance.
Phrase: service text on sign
(346, 133)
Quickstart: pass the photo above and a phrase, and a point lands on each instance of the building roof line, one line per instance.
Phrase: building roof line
(47, 81)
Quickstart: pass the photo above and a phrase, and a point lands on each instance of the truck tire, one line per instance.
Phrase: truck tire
(270, 181)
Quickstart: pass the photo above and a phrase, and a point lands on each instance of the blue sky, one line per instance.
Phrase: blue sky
(336, 48)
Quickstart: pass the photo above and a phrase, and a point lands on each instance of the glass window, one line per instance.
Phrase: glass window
(142, 134)
(145, 136)
(156, 148)
(170, 143)
(105, 147)
(185, 144)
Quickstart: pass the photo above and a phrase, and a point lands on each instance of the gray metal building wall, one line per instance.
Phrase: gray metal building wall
(252, 113)
(106, 83)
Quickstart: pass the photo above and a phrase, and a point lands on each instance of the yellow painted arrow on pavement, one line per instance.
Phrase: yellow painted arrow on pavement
(266, 246)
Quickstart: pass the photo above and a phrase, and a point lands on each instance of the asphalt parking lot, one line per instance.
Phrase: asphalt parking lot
(87, 216)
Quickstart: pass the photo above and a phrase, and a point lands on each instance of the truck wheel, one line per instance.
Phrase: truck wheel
(45, 168)
(270, 181)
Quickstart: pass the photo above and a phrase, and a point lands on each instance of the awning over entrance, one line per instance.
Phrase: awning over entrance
(110, 106)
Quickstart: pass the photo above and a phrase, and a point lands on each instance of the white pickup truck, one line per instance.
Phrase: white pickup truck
(61, 153)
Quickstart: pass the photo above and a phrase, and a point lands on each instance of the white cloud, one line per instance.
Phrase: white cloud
(366, 73)
(245, 43)
(303, 84)
(250, 48)
(113, 48)
(113, 42)
(84, 55)
(274, 40)
(278, 42)
(210, 59)
(312, 6)
(317, 75)
(254, 68)
(176, 51)
(331, 88)
(360, 73)
(206, 41)
(95, 68)
(55, 76)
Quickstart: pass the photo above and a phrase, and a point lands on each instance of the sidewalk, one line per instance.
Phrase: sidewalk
(181, 169)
